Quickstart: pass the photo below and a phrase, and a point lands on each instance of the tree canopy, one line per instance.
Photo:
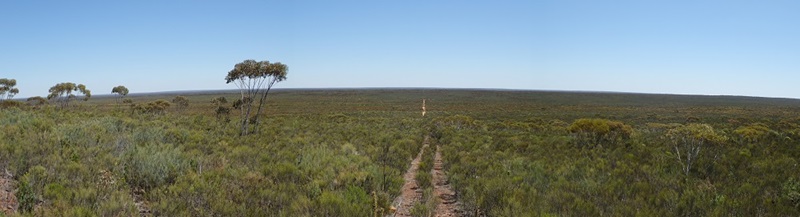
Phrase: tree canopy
(63, 92)
(120, 90)
(7, 89)
(252, 77)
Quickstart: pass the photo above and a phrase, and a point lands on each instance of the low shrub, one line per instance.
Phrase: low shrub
(151, 166)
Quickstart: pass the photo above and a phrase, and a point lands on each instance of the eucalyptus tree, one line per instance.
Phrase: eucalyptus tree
(7, 89)
(121, 91)
(689, 140)
(255, 79)
(63, 92)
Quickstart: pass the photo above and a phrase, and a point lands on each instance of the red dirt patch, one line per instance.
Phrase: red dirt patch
(8, 202)
(448, 203)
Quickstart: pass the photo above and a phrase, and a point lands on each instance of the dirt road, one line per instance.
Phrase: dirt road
(410, 192)
(448, 203)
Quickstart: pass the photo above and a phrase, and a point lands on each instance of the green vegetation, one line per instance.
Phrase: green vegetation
(343, 153)
(424, 178)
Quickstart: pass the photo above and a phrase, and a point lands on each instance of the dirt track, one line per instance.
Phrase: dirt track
(410, 192)
(447, 202)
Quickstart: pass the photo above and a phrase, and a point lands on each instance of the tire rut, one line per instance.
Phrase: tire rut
(447, 201)
(410, 192)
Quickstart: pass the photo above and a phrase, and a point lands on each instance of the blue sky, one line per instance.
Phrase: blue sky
(682, 47)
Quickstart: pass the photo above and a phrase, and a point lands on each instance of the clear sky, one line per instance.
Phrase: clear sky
(725, 47)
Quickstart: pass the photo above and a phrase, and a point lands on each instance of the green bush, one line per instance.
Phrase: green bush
(26, 197)
(791, 192)
(594, 132)
(151, 166)
(421, 210)
(753, 133)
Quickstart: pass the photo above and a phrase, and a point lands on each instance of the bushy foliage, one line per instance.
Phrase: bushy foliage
(689, 141)
(594, 132)
(181, 101)
(36, 101)
(154, 107)
(26, 197)
(5, 104)
(151, 166)
(504, 170)
(753, 133)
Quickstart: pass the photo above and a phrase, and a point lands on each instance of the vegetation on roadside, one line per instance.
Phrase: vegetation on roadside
(324, 153)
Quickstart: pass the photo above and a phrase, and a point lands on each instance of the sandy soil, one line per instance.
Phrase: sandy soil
(410, 192)
(447, 201)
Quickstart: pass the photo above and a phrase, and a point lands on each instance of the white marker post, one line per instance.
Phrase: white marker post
(423, 107)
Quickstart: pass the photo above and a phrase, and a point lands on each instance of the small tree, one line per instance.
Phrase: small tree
(251, 77)
(7, 89)
(219, 101)
(181, 101)
(121, 91)
(689, 140)
(221, 110)
(63, 92)
(36, 101)
(154, 107)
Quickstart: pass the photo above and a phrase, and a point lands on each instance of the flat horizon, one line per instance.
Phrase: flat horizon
(281, 89)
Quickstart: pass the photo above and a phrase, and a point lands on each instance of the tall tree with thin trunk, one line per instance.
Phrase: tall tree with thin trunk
(121, 91)
(276, 72)
(252, 77)
(7, 89)
(62, 92)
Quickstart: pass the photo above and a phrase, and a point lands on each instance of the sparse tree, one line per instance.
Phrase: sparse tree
(689, 140)
(7, 89)
(63, 92)
(252, 77)
(121, 91)
(181, 101)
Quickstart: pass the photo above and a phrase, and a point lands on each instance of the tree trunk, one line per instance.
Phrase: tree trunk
(243, 115)
(261, 103)
(246, 120)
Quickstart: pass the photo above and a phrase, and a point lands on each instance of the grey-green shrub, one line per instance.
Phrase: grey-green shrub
(150, 166)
